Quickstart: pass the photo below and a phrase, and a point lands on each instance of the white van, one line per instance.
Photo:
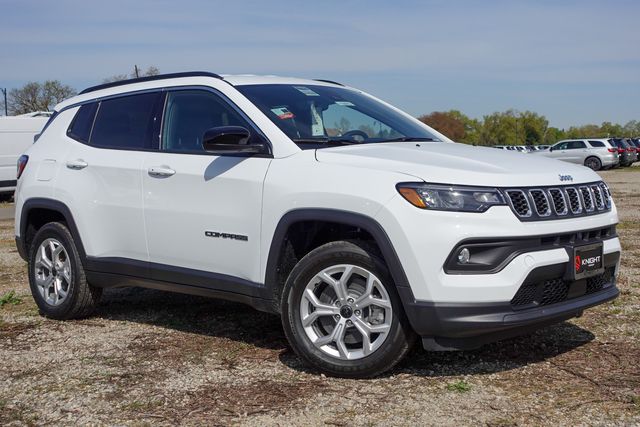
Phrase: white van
(16, 135)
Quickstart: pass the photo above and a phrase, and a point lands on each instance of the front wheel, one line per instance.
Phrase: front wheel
(341, 312)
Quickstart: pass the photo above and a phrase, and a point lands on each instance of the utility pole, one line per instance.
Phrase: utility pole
(135, 67)
(4, 92)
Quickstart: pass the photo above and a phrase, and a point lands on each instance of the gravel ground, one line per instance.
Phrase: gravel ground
(149, 357)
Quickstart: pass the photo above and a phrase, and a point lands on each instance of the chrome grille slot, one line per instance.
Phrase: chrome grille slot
(541, 202)
(606, 194)
(519, 203)
(559, 201)
(587, 199)
(574, 200)
(598, 196)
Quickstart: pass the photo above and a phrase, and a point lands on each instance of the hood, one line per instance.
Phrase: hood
(462, 164)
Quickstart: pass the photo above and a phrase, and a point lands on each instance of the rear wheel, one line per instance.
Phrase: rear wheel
(593, 163)
(341, 312)
(56, 275)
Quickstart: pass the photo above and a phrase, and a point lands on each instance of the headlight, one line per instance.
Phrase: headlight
(450, 197)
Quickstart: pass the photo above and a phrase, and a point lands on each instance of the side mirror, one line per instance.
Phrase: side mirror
(231, 140)
(550, 148)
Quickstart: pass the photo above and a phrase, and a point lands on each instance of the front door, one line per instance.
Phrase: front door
(202, 211)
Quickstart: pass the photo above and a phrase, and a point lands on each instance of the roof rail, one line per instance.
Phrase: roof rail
(151, 78)
(328, 81)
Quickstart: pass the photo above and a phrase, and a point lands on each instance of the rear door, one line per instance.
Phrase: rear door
(577, 152)
(101, 180)
(202, 211)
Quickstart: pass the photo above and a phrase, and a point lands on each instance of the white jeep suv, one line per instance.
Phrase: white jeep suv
(362, 227)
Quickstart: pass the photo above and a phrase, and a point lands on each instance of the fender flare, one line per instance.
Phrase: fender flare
(364, 222)
(53, 205)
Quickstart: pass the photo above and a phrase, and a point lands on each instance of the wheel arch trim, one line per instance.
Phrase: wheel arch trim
(354, 219)
(52, 205)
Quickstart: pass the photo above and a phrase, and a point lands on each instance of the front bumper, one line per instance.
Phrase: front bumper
(450, 326)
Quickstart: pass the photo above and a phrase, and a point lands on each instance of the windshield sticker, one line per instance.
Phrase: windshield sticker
(282, 113)
(345, 103)
(306, 90)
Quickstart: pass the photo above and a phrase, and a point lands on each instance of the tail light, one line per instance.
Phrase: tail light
(620, 150)
(22, 163)
(631, 150)
(613, 150)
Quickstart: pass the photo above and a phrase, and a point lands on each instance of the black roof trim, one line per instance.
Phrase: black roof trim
(151, 78)
(328, 81)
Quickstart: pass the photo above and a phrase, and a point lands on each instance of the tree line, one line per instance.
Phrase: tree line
(510, 127)
(514, 127)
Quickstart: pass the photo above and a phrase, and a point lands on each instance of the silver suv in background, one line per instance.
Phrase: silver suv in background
(594, 153)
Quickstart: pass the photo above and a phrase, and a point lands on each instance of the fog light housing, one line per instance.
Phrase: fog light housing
(463, 256)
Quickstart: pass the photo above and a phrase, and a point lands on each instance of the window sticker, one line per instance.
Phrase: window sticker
(306, 90)
(283, 113)
(345, 103)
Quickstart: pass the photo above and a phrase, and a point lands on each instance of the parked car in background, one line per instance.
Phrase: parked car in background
(627, 151)
(636, 143)
(594, 153)
(16, 135)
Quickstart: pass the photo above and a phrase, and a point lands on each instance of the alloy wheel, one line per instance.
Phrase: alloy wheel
(346, 312)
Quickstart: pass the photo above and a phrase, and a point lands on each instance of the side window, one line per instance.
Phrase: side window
(125, 122)
(561, 146)
(189, 113)
(80, 128)
(576, 144)
(596, 144)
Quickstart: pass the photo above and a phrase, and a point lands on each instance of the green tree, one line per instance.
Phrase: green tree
(534, 127)
(454, 124)
(631, 129)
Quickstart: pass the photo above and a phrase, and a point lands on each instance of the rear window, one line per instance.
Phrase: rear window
(125, 122)
(596, 144)
(80, 128)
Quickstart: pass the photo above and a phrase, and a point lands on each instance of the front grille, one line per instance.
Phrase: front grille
(535, 204)
(553, 291)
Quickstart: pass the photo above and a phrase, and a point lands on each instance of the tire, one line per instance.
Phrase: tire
(390, 337)
(593, 163)
(56, 275)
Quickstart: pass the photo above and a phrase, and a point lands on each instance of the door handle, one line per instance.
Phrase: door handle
(77, 164)
(161, 171)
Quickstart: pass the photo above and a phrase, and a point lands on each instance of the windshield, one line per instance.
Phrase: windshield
(318, 116)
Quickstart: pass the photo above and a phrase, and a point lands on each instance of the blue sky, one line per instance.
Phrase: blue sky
(576, 62)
